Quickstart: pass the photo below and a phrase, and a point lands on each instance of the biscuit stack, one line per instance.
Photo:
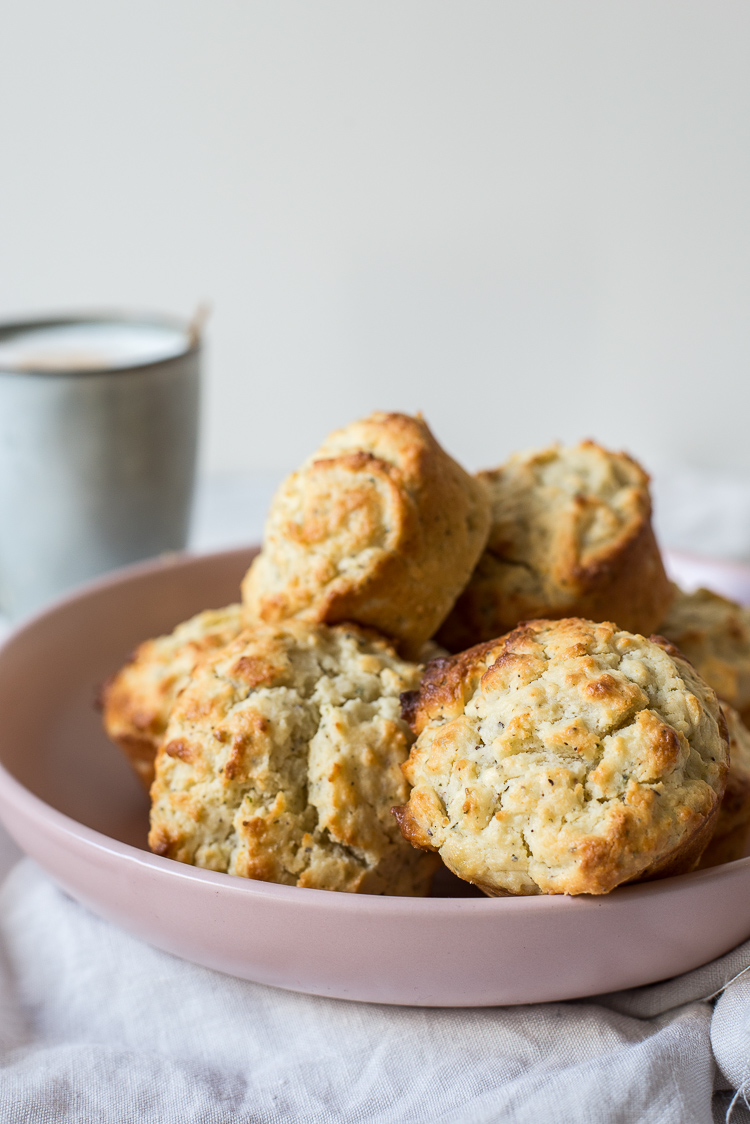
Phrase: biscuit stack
(299, 737)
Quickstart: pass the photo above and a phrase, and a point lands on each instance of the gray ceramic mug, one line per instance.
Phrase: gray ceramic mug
(98, 441)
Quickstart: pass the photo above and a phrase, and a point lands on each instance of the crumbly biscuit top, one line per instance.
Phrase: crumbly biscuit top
(379, 526)
(559, 512)
(137, 701)
(571, 536)
(283, 757)
(567, 758)
(714, 633)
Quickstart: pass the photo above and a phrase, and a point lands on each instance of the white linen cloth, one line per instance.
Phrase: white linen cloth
(98, 1028)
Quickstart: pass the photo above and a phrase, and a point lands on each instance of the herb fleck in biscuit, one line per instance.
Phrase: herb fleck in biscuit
(137, 700)
(714, 633)
(571, 536)
(380, 526)
(567, 758)
(282, 760)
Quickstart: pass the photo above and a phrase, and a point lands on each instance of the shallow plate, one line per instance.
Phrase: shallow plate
(69, 799)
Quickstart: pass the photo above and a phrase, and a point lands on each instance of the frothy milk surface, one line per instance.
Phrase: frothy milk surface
(89, 346)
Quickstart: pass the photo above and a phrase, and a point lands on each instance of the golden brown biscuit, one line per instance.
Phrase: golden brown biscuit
(380, 526)
(730, 837)
(282, 759)
(567, 758)
(571, 536)
(137, 700)
(714, 633)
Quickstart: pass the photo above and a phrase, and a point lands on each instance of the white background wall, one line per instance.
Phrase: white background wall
(528, 219)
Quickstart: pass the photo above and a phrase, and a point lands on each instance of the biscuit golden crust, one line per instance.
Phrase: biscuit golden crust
(714, 633)
(380, 527)
(732, 831)
(137, 700)
(567, 758)
(282, 759)
(571, 536)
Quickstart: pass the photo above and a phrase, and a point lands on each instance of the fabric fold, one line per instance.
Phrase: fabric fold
(97, 1026)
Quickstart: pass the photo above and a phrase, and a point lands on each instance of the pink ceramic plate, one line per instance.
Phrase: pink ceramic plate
(69, 800)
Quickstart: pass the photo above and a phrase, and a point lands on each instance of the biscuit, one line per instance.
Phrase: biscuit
(282, 759)
(714, 633)
(137, 700)
(566, 758)
(571, 536)
(380, 527)
(730, 837)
